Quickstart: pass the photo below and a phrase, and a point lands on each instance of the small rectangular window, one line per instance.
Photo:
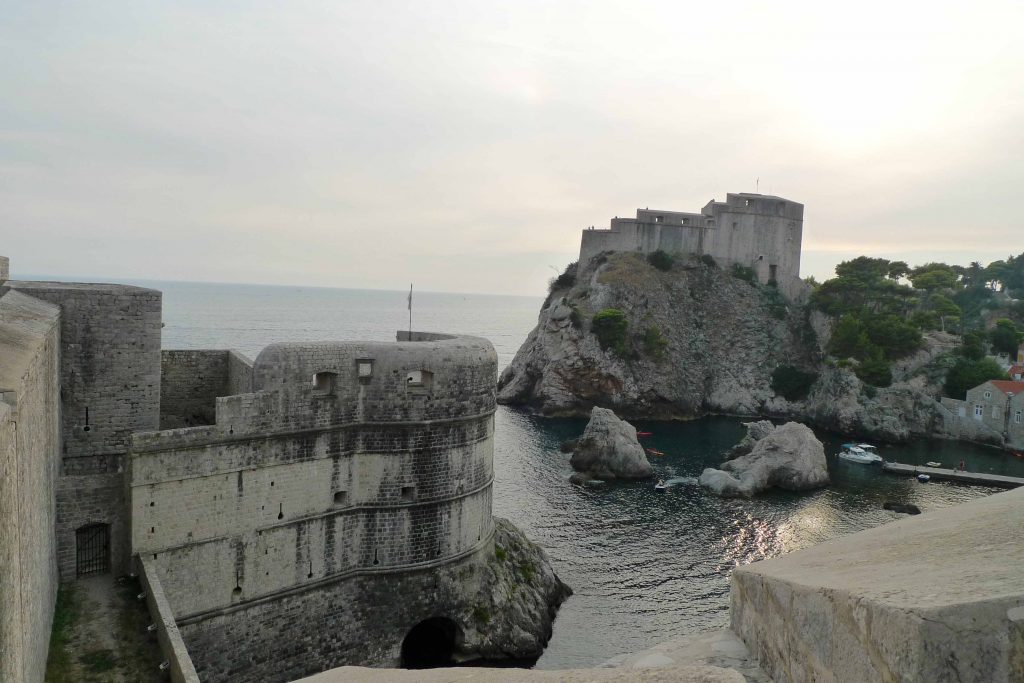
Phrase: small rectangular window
(1017, 417)
(408, 494)
(340, 498)
(659, 219)
(365, 367)
(686, 221)
(324, 382)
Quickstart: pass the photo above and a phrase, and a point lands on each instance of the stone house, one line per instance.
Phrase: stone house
(993, 413)
(1016, 372)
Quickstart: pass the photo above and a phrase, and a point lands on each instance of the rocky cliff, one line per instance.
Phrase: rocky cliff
(519, 596)
(701, 339)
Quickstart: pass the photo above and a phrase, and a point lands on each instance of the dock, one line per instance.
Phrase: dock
(979, 478)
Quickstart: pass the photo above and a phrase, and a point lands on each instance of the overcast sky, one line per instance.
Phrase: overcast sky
(462, 146)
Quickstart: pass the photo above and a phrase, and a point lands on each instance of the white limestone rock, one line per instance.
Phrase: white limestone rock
(609, 449)
(789, 457)
(724, 338)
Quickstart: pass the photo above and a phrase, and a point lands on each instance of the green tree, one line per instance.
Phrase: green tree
(967, 374)
(610, 327)
(1006, 337)
(934, 276)
(849, 339)
(875, 371)
(661, 260)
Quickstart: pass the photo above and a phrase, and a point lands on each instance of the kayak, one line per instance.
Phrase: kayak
(644, 433)
(653, 451)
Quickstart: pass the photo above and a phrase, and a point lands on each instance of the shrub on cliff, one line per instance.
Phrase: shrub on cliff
(565, 280)
(967, 374)
(610, 327)
(709, 261)
(661, 260)
(875, 371)
(654, 342)
(743, 272)
(792, 384)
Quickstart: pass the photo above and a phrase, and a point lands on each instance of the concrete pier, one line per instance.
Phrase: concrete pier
(979, 478)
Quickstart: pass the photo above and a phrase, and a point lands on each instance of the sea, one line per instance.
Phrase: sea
(645, 567)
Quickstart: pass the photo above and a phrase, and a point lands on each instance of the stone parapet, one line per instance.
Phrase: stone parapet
(930, 598)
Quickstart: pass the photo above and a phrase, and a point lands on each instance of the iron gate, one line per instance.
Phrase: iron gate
(92, 545)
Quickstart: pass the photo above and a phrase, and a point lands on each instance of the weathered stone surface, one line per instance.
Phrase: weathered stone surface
(935, 597)
(723, 338)
(789, 457)
(680, 674)
(609, 449)
(519, 596)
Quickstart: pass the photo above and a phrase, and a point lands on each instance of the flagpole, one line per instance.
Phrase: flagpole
(410, 311)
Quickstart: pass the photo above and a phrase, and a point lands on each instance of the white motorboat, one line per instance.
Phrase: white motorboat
(660, 487)
(860, 452)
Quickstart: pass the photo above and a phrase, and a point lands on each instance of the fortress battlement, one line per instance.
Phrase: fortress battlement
(762, 232)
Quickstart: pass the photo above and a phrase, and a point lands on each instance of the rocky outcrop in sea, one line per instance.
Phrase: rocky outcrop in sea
(609, 450)
(699, 339)
(517, 601)
(788, 457)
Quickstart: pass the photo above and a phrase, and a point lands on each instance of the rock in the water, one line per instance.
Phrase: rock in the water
(609, 449)
(755, 431)
(906, 508)
(517, 602)
(789, 457)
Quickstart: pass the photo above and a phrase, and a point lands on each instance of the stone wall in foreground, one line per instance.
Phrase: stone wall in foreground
(937, 597)
(29, 462)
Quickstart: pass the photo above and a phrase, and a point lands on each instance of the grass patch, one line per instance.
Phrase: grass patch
(98, 661)
(481, 614)
(65, 614)
(528, 570)
(500, 553)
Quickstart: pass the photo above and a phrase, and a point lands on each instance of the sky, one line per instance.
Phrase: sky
(462, 146)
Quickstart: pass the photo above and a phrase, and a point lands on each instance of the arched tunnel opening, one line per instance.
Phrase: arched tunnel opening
(430, 644)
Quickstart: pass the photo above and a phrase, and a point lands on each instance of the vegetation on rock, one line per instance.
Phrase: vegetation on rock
(661, 260)
(610, 327)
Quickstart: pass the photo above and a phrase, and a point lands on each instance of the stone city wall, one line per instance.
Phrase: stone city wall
(29, 464)
(179, 665)
(192, 380)
(110, 387)
(348, 460)
(360, 620)
(762, 232)
(935, 597)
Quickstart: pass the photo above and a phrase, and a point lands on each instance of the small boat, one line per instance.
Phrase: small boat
(923, 478)
(660, 487)
(860, 452)
(645, 433)
(653, 451)
(933, 464)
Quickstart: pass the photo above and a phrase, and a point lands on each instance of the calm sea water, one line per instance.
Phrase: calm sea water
(645, 567)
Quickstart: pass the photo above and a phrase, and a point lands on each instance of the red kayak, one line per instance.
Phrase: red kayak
(653, 452)
(644, 433)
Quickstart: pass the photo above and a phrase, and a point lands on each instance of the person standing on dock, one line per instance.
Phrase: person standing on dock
(963, 466)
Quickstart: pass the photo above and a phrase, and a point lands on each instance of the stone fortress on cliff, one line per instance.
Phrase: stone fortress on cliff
(287, 515)
(759, 231)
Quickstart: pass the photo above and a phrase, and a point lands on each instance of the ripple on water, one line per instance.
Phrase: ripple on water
(650, 566)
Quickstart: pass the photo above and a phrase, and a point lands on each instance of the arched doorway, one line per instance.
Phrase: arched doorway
(430, 644)
(92, 549)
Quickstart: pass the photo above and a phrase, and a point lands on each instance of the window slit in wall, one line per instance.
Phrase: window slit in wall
(280, 511)
(375, 560)
(86, 428)
(310, 574)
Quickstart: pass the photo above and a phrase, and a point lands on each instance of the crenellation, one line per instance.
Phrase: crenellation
(761, 232)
